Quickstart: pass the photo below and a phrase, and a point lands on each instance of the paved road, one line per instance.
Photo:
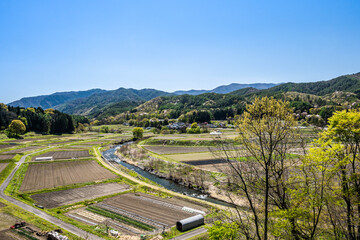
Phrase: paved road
(39, 213)
(191, 234)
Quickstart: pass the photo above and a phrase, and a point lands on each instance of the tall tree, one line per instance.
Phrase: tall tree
(259, 173)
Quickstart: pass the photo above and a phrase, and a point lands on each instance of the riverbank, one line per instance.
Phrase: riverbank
(182, 174)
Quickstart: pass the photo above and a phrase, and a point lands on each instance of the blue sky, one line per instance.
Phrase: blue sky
(50, 46)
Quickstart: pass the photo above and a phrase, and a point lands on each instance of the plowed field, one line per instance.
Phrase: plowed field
(65, 155)
(3, 166)
(25, 149)
(147, 206)
(6, 156)
(65, 197)
(54, 174)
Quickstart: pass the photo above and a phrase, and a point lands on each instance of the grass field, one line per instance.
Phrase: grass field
(54, 174)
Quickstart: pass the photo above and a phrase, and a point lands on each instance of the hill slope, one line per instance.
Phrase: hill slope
(95, 103)
(345, 83)
(224, 89)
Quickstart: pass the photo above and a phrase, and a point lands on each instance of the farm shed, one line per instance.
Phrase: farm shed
(190, 223)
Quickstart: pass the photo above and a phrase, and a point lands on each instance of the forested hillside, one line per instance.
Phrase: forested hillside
(96, 102)
(53, 100)
(346, 83)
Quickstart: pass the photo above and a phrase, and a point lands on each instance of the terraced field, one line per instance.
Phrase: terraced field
(54, 174)
(65, 197)
(64, 155)
(3, 166)
(2, 146)
(6, 156)
(25, 149)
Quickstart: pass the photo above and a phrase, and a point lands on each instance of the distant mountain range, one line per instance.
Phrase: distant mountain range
(93, 101)
(98, 102)
(227, 88)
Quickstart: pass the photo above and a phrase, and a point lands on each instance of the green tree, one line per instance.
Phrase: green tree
(138, 132)
(267, 131)
(194, 128)
(3, 107)
(17, 127)
(344, 128)
(223, 231)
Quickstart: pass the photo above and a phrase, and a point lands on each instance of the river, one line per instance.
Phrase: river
(168, 184)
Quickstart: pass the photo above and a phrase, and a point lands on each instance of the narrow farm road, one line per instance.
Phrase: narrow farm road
(190, 234)
(39, 213)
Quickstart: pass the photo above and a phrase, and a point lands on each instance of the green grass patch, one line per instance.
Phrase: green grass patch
(5, 173)
(120, 218)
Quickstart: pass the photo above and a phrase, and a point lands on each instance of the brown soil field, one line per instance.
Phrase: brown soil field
(2, 146)
(3, 166)
(7, 156)
(25, 140)
(221, 167)
(159, 149)
(65, 197)
(174, 150)
(95, 142)
(80, 146)
(54, 174)
(6, 221)
(158, 209)
(25, 149)
(10, 235)
(168, 137)
(63, 142)
(64, 155)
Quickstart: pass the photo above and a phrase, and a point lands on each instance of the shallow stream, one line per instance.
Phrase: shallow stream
(168, 184)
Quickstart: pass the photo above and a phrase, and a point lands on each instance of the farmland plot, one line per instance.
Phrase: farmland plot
(7, 156)
(3, 166)
(65, 197)
(51, 175)
(192, 157)
(64, 155)
(25, 149)
(2, 146)
(145, 208)
(177, 149)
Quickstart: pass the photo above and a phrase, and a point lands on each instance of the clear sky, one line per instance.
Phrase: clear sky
(62, 45)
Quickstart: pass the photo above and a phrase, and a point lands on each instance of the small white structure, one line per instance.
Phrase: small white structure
(216, 133)
(44, 158)
(191, 210)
